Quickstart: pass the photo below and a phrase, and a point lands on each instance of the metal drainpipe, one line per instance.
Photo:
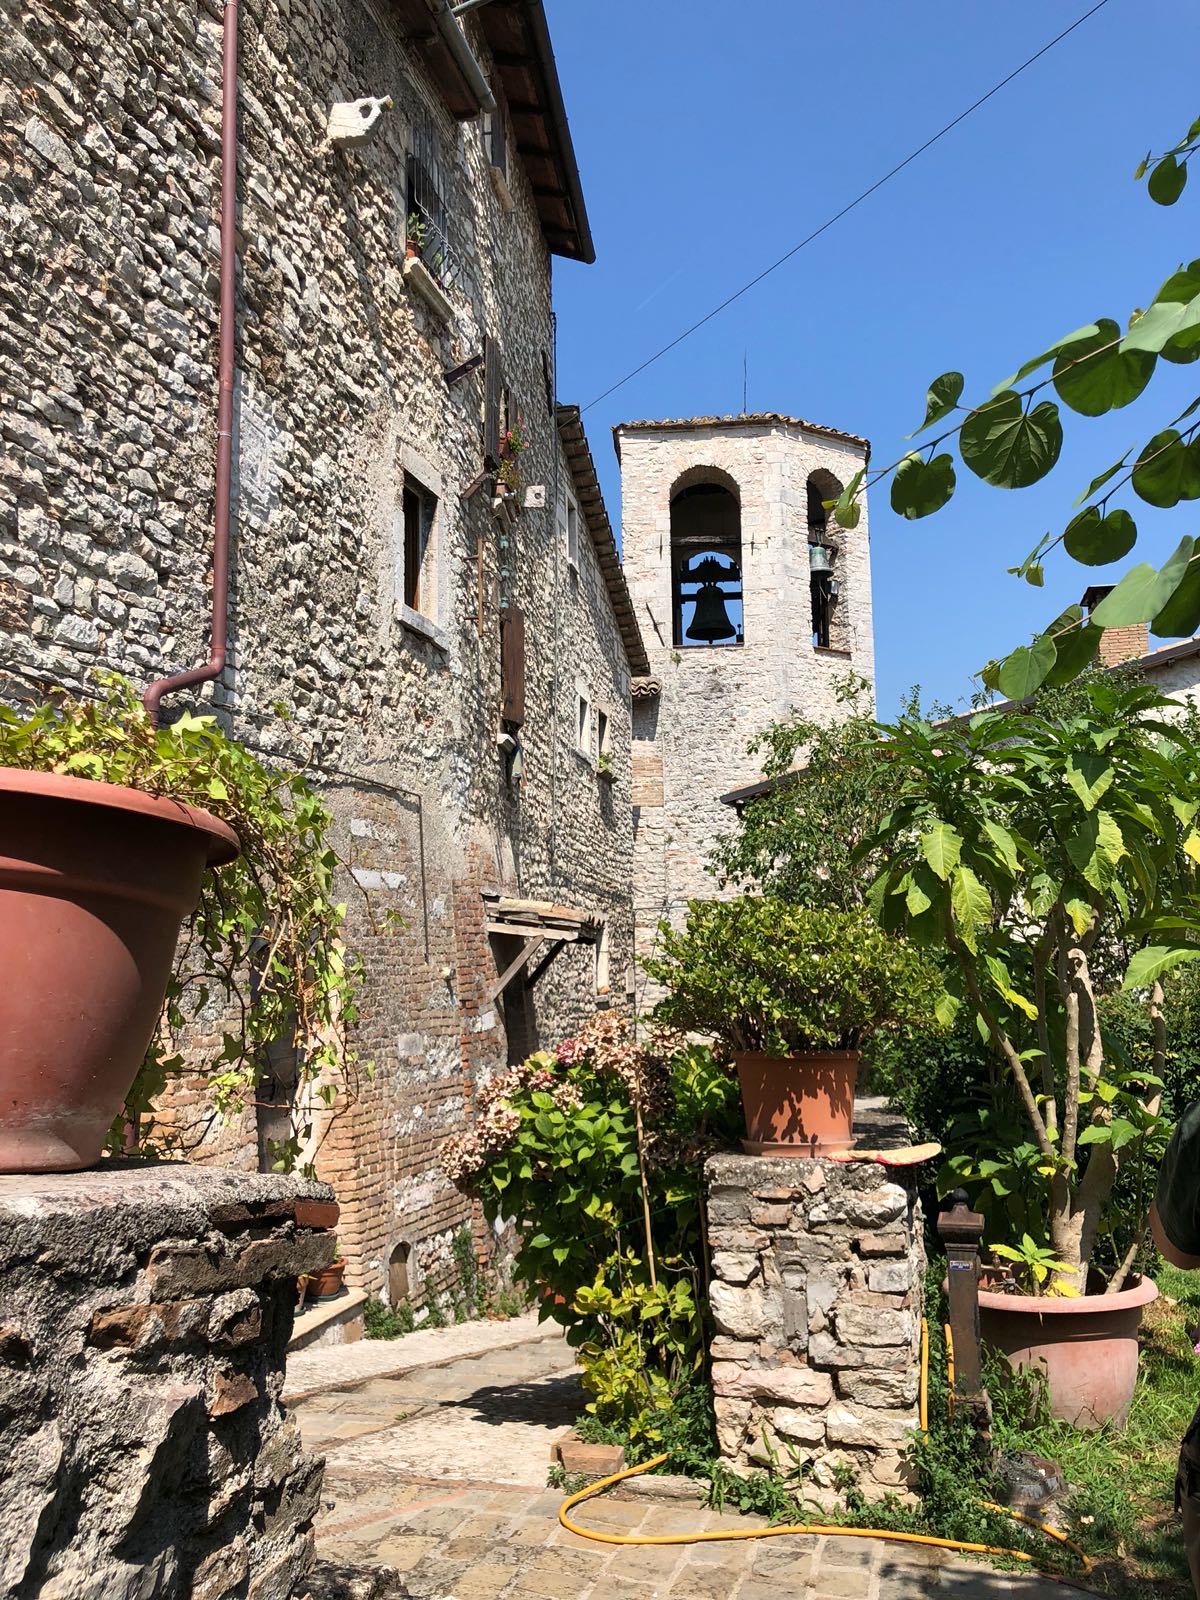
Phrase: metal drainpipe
(215, 664)
(464, 56)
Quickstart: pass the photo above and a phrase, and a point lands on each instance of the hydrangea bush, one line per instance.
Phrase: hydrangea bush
(595, 1152)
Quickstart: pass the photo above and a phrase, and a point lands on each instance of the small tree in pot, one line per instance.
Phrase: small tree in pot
(1050, 855)
(794, 994)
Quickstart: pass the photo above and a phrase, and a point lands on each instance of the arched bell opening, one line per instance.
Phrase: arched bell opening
(706, 561)
(826, 565)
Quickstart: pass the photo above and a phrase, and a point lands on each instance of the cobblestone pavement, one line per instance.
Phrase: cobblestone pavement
(435, 1490)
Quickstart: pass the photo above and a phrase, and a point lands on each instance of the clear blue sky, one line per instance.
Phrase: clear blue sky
(711, 137)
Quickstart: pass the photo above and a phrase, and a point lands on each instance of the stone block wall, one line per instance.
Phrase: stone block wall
(690, 745)
(145, 1311)
(108, 298)
(816, 1295)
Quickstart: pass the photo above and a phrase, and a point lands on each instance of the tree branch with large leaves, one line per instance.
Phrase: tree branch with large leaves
(1014, 438)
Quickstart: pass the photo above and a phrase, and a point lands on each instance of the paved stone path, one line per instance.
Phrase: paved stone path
(435, 1490)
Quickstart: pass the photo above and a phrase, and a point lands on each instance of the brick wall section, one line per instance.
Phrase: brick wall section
(1122, 644)
(690, 746)
(816, 1296)
(107, 398)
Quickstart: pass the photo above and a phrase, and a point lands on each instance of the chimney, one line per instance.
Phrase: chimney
(1116, 644)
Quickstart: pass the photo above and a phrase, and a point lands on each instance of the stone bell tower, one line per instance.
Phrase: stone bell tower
(753, 605)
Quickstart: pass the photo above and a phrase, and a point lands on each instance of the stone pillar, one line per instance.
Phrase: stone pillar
(816, 1295)
(145, 1311)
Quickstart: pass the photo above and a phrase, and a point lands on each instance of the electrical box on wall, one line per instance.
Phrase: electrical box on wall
(535, 497)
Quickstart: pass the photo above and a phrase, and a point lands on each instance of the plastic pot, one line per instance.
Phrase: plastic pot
(798, 1105)
(95, 881)
(1087, 1345)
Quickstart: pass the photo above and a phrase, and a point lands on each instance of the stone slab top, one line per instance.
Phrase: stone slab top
(876, 1127)
(142, 1202)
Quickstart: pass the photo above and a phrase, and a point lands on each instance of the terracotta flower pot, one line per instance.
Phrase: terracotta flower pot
(95, 881)
(800, 1105)
(1087, 1346)
(327, 1283)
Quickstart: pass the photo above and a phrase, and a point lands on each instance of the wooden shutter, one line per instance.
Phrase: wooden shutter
(493, 383)
(512, 665)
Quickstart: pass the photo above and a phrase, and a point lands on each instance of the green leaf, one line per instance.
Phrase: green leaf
(946, 1009)
(846, 508)
(1049, 354)
(920, 488)
(1080, 913)
(1075, 644)
(1164, 321)
(943, 395)
(1180, 617)
(942, 848)
(1097, 848)
(1006, 845)
(1143, 592)
(1158, 476)
(1090, 777)
(971, 904)
(1025, 669)
(1009, 447)
(1095, 375)
(1098, 483)
(1094, 541)
(916, 899)
(1167, 181)
(1155, 959)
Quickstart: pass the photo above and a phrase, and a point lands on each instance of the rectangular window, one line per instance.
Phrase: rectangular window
(604, 754)
(584, 726)
(572, 533)
(495, 141)
(602, 960)
(419, 508)
(428, 217)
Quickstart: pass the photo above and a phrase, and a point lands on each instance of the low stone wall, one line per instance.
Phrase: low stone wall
(816, 1292)
(145, 1311)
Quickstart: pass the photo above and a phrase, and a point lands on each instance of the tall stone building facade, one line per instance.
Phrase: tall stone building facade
(458, 667)
(753, 606)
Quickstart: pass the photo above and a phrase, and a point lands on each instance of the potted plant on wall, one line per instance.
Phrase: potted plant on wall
(107, 827)
(1049, 851)
(794, 995)
(416, 234)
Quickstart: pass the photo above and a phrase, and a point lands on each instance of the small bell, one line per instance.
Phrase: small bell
(710, 620)
(819, 564)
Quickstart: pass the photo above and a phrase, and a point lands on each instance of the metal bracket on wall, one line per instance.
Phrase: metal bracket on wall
(463, 370)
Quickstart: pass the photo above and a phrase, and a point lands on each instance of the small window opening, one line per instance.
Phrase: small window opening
(495, 142)
(602, 961)
(602, 743)
(706, 567)
(572, 526)
(584, 725)
(399, 1287)
(428, 216)
(419, 509)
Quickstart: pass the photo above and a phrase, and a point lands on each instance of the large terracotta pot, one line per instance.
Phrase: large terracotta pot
(800, 1105)
(95, 881)
(1087, 1346)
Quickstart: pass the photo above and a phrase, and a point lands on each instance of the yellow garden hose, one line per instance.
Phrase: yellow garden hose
(834, 1530)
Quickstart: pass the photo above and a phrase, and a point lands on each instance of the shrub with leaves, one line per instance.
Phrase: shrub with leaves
(1050, 858)
(760, 974)
(265, 939)
(596, 1152)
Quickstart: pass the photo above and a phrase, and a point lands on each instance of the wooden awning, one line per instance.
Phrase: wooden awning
(538, 923)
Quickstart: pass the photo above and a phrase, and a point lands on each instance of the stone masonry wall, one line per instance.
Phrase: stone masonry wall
(816, 1296)
(145, 1312)
(691, 746)
(109, 122)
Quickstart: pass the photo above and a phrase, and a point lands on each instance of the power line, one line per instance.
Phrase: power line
(846, 209)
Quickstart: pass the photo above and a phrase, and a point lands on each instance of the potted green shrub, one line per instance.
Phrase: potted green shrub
(327, 1284)
(793, 994)
(416, 233)
(1049, 852)
(108, 825)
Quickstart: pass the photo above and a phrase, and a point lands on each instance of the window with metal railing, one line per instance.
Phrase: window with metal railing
(429, 223)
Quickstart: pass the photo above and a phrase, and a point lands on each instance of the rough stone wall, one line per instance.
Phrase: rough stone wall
(692, 747)
(816, 1296)
(144, 1318)
(108, 192)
